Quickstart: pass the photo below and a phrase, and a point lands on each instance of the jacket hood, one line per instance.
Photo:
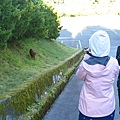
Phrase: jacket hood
(97, 60)
(99, 43)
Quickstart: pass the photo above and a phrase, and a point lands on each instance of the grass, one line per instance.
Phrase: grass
(16, 65)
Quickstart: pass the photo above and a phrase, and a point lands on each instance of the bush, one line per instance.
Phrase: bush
(25, 19)
(8, 14)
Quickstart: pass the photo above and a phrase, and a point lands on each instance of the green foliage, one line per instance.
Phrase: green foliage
(4, 37)
(44, 22)
(53, 25)
(25, 19)
(8, 15)
(38, 23)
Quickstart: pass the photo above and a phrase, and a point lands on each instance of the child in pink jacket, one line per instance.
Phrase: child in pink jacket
(98, 70)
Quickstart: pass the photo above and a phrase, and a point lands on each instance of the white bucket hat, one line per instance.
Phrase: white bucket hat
(99, 43)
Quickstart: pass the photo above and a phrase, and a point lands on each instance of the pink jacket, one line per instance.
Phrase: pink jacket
(97, 94)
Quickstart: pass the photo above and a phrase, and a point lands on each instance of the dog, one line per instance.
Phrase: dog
(32, 53)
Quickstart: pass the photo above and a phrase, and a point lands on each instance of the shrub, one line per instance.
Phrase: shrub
(8, 14)
(25, 19)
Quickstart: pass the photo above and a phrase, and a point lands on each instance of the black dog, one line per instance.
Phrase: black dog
(118, 81)
(32, 53)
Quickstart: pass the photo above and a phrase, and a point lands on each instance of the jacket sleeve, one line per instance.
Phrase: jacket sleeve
(86, 56)
(81, 72)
